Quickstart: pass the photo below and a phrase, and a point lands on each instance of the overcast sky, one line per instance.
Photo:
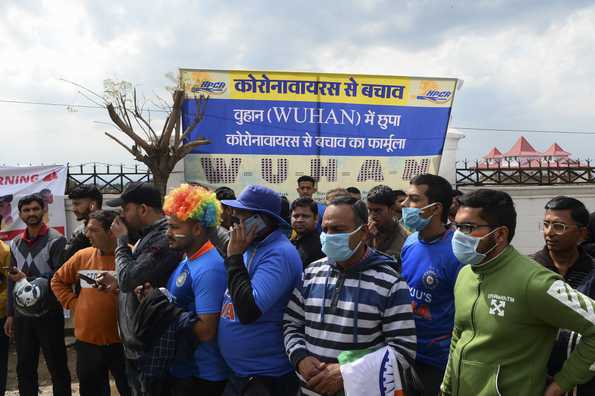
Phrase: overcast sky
(525, 64)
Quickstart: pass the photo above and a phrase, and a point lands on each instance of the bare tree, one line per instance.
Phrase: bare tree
(159, 151)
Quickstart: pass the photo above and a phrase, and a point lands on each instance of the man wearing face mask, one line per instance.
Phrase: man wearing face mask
(509, 310)
(430, 269)
(349, 301)
(263, 268)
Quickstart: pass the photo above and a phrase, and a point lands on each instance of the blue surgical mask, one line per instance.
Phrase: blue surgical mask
(336, 246)
(412, 219)
(465, 246)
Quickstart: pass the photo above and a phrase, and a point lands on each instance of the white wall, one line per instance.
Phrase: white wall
(448, 162)
(529, 202)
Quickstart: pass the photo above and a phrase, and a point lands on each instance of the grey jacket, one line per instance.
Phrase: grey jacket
(151, 261)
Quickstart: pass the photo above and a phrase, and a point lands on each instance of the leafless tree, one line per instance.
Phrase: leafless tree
(159, 151)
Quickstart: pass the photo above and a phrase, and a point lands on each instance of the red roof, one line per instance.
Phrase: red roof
(522, 148)
(556, 151)
(493, 153)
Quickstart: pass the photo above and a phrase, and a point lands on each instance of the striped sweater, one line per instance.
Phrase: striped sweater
(367, 306)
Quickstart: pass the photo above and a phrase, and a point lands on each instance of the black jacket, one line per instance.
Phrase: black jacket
(152, 261)
(580, 276)
(309, 248)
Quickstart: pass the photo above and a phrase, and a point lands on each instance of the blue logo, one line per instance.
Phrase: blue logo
(217, 88)
(436, 96)
(430, 279)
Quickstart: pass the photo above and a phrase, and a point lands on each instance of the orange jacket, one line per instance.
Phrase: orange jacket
(95, 312)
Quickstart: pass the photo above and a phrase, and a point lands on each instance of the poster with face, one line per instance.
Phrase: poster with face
(49, 182)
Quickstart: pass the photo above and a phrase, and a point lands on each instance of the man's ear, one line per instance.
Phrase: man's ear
(583, 233)
(298, 190)
(502, 236)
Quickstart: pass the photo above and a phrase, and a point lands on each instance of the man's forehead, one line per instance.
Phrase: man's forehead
(417, 189)
(340, 214)
(303, 210)
(469, 215)
(306, 184)
(562, 214)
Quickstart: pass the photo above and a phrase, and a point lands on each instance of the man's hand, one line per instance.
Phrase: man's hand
(372, 228)
(309, 366)
(239, 239)
(8, 326)
(142, 291)
(328, 381)
(16, 276)
(106, 282)
(118, 227)
(554, 390)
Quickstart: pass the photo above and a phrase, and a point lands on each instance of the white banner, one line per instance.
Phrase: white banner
(16, 182)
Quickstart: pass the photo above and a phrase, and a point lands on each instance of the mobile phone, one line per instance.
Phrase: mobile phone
(254, 221)
(88, 279)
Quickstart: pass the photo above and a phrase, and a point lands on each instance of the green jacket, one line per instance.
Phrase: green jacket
(507, 314)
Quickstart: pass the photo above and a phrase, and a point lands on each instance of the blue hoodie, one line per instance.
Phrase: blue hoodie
(275, 269)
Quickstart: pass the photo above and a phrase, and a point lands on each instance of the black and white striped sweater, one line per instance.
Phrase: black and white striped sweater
(367, 306)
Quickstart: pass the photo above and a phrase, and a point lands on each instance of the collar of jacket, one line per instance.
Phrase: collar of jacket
(496, 263)
(583, 262)
(161, 223)
(271, 238)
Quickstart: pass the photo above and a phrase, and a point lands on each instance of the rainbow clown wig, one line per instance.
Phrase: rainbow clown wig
(193, 203)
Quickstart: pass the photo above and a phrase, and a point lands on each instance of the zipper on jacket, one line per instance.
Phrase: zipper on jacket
(474, 332)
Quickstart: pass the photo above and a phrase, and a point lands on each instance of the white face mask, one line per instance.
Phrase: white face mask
(465, 246)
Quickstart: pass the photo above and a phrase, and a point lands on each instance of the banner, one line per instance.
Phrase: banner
(47, 181)
(342, 129)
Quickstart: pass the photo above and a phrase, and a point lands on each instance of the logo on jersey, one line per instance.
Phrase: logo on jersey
(181, 279)
(497, 307)
(430, 279)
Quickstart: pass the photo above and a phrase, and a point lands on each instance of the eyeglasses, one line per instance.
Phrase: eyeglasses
(557, 227)
(468, 228)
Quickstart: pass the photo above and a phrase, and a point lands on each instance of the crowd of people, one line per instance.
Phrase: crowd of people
(208, 293)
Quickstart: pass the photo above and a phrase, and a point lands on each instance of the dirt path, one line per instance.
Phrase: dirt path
(45, 382)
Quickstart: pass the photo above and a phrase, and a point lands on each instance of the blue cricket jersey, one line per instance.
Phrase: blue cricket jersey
(431, 270)
(198, 284)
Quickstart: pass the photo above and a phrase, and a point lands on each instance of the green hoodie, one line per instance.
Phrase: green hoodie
(507, 314)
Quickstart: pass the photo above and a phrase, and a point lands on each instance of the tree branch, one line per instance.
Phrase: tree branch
(184, 150)
(201, 104)
(126, 129)
(138, 115)
(173, 116)
(132, 151)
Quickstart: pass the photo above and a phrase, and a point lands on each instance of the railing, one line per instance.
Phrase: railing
(109, 179)
(480, 173)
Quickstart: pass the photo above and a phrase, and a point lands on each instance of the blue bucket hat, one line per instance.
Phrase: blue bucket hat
(260, 199)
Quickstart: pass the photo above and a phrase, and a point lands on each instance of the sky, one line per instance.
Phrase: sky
(526, 65)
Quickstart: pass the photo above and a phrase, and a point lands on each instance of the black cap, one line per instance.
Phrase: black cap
(138, 193)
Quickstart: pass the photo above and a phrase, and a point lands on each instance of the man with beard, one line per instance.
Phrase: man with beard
(151, 261)
(85, 200)
(37, 253)
(198, 285)
(386, 234)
